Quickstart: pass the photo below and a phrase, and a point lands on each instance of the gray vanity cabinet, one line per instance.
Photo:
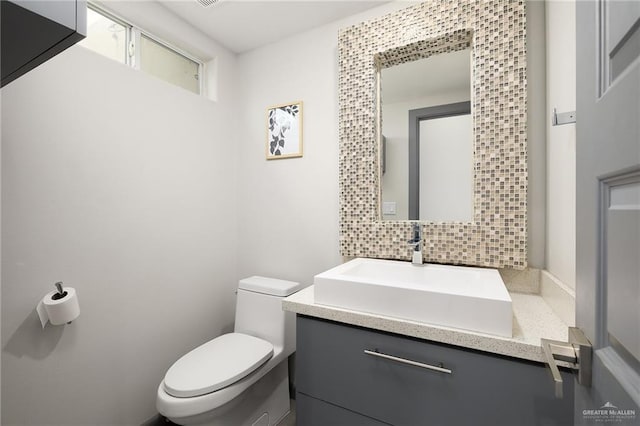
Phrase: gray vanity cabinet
(314, 412)
(339, 384)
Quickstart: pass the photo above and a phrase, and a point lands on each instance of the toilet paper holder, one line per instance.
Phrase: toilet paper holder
(58, 307)
(60, 294)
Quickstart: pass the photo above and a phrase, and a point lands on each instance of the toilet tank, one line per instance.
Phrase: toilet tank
(259, 311)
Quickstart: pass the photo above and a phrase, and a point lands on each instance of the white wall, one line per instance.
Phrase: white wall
(124, 187)
(561, 141)
(288, 209)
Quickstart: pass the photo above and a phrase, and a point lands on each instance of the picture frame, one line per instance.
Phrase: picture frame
(284, 131)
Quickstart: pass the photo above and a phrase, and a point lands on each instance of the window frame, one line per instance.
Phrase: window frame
(133, 37)
(137, 34)
(101, 11)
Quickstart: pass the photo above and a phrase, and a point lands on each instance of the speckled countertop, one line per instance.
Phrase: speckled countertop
(532, 319)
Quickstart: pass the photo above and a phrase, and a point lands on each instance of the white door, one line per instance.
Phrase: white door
(608, 207)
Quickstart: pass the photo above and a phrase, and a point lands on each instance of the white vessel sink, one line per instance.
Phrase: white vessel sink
(454, 296)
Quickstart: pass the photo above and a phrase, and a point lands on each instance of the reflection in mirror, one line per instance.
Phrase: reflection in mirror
(428, 143)
(441, 163)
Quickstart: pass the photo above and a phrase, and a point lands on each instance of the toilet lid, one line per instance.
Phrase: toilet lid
(216, 364)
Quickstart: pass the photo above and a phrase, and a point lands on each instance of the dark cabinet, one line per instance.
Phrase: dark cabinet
(34, 31)
(314, 412)
(340, 379)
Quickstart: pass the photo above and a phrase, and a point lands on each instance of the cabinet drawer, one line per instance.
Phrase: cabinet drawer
(313, 412)
(332, 366)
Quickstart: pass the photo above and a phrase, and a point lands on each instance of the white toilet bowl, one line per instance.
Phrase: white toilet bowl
(238, 378)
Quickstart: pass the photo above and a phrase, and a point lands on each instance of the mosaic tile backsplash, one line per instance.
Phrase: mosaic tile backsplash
(497, 235)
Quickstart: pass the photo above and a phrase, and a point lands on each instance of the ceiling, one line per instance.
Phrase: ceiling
(241, 25)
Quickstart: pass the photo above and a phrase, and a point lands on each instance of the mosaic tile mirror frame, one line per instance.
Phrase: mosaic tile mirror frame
(495, 29)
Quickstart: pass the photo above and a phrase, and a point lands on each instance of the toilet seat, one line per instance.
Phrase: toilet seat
(216, 364)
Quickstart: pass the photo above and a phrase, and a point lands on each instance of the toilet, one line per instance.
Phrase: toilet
(239, 378)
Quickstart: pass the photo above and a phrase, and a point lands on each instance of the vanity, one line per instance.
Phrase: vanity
(359, 368)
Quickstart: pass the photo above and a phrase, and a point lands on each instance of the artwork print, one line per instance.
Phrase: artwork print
(284, 131)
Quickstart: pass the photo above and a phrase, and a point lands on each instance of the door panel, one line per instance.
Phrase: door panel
(619, 37)
(621, 217)
(608, 207)
(622, 16)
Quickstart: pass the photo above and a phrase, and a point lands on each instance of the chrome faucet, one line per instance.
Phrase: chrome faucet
(416, 243)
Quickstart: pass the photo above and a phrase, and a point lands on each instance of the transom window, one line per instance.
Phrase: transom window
(119, 40)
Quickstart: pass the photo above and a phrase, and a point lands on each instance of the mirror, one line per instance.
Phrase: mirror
(426, 139)
(495, 32)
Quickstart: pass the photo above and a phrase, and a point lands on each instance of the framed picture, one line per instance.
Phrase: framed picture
(284, 131)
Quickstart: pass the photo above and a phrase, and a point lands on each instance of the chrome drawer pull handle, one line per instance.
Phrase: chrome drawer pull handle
(408, 361)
